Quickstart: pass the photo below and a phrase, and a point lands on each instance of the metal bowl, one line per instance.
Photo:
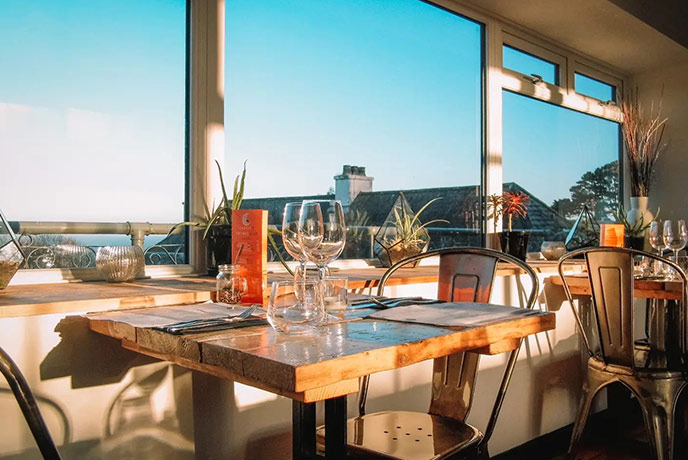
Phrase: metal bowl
(553, 250)
(119, 263)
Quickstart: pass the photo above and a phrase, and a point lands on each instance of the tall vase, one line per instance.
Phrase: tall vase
(639, 210)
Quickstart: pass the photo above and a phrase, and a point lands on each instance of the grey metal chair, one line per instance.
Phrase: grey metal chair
(465, 275)
(29, 407)
(610, 271)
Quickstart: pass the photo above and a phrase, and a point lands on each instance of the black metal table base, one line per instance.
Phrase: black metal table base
(303, 430)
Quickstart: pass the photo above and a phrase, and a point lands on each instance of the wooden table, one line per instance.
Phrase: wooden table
(643, 289)
(308, 368)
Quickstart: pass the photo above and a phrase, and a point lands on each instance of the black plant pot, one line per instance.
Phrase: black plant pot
(515, 243)
(218, 247)
(634, 242)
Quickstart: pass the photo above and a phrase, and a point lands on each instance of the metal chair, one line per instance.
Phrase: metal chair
(610, 271)
(465, 275)
(28, 406)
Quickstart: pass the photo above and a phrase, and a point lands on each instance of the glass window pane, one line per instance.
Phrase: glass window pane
(563, 160)
(92, 115)
(392, 86)
(594, 88)
(529, 65)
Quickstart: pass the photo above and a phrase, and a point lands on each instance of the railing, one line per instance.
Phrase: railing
(70, 255)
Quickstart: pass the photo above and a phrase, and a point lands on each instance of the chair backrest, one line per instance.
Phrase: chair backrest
(28, 406)
(465, 275)
(611, 276)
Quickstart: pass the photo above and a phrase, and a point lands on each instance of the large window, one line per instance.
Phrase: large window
(391, 88)
(92, 120)
(565, 161)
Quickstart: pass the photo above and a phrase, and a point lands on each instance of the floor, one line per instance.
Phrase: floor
(608, 436)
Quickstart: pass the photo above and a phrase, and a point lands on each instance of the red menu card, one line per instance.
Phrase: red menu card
(250, 244)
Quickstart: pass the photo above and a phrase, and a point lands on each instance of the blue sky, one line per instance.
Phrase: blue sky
(92, 111)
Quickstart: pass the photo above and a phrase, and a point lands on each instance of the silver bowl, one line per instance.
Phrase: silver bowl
(119, 263)
(553, 250)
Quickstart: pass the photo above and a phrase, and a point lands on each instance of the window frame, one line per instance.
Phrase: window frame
(205, 111)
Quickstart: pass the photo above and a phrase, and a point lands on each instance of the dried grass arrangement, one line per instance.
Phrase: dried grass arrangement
(643, 136)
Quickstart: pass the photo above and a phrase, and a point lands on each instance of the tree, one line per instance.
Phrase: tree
(598, 190)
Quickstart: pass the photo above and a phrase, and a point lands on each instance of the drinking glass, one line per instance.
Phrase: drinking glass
(322, 232)
(296, 307)
(290, 238)
(675, 236)
(656, 239)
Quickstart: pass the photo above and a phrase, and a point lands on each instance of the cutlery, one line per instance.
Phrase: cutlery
(214, 327)
(208, 322)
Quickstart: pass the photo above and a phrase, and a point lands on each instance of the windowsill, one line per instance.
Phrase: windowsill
(42, 299)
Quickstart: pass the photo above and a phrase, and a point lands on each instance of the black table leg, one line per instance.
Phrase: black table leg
(335, 428)
(303, 430)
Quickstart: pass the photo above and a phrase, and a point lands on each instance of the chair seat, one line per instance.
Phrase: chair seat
(407, 435)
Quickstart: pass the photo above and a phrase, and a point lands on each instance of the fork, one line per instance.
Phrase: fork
(194, 323)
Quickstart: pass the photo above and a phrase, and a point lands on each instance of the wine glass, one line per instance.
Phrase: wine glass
(656, 239)
(322, 232)
(290, 238)
(675, 236)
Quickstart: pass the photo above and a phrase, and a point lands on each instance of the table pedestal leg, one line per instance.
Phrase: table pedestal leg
(303, 430)
(213, 416)
(335, 428)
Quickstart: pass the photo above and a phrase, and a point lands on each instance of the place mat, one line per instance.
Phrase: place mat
(453, 314)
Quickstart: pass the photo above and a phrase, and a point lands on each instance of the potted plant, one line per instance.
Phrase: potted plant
(642, 134)
(634, 231)
(510, 204)
(217, 224)
(405, 235)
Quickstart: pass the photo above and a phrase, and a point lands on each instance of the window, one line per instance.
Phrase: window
(564, 160)
(92, 122)
(594, 88)
(528, 64)
(384, 95)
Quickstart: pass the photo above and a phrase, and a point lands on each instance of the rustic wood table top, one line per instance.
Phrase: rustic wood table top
(642, 288)
(309, 367)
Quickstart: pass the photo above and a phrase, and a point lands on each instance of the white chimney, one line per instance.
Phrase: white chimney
(350, 183)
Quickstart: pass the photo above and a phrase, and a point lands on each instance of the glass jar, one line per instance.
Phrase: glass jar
(231, 284)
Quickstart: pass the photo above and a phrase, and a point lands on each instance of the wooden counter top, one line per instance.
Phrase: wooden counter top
(44, 299)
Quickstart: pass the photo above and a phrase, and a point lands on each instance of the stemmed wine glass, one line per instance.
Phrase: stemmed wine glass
(290, 238)
(322, 232)
(656, 239)
(675, 237)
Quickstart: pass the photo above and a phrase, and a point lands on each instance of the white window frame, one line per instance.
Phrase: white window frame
(206, 110)
(205, 143)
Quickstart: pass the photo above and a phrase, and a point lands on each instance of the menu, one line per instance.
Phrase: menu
(250, 250)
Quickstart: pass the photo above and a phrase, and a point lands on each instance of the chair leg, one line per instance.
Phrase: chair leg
(658, 411)
(589, 392)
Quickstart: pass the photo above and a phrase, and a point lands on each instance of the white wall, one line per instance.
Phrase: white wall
(671, 179)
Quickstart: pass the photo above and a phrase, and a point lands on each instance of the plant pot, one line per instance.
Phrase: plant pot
(634, 242)
(218, 245)
(639, 211)
(515, 243)
(399, 251)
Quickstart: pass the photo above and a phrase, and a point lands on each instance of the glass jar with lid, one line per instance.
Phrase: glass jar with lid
(231, 284)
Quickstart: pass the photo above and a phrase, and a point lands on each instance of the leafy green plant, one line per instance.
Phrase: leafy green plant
(408, 227)
(222, 213)
(633, 229)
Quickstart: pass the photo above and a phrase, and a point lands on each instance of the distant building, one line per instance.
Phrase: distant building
(367, 210)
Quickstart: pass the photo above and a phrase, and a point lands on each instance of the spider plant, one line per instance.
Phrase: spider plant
(408, 226)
